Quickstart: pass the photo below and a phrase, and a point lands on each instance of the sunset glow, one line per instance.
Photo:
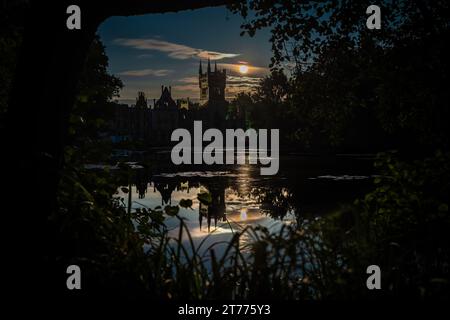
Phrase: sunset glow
(243, 69)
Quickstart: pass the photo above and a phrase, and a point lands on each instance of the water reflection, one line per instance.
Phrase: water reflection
(241, 197)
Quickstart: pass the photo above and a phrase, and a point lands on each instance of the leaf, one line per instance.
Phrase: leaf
(171, 210)
(205, 198)
(185, 203)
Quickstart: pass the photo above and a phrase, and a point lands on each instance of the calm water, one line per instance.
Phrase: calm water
(305, 187)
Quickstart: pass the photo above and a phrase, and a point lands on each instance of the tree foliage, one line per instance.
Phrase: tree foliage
(11, 31)
(94, 109)
(351, 87)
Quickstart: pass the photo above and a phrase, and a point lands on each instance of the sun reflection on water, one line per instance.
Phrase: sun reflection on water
(243, 214)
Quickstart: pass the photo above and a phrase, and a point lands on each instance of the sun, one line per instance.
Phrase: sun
(243, 69)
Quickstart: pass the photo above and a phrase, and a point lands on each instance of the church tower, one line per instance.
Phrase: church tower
(212, 84)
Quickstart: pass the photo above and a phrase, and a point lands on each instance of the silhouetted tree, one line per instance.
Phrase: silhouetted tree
(358, 87)
(93, 109)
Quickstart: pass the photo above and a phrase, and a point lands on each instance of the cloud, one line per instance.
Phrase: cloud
(233, 69)
(190, 91)
(174, 50)
(243, 81)
(188, 86)
(146, 72)
(236, 85)
(191, 80)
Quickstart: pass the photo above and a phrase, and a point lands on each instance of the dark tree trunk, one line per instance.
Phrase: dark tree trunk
(41, 100)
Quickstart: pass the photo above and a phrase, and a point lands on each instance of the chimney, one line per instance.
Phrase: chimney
(170, 89)
(162, 89)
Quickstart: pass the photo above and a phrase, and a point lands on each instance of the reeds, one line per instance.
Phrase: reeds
(287, 264)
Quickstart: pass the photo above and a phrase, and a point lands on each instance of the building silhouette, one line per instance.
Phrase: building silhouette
(212, 83)
(153, 125)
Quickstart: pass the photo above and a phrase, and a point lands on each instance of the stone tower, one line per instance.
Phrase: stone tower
(212, 84)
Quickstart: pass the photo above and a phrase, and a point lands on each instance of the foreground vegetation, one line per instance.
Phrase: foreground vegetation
(401, 226)
(344, 93)
(348, 90)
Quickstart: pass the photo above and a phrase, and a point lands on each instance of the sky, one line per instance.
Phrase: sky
(149, 51)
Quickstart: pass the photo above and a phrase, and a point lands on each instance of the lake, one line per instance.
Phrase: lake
(306, 187)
